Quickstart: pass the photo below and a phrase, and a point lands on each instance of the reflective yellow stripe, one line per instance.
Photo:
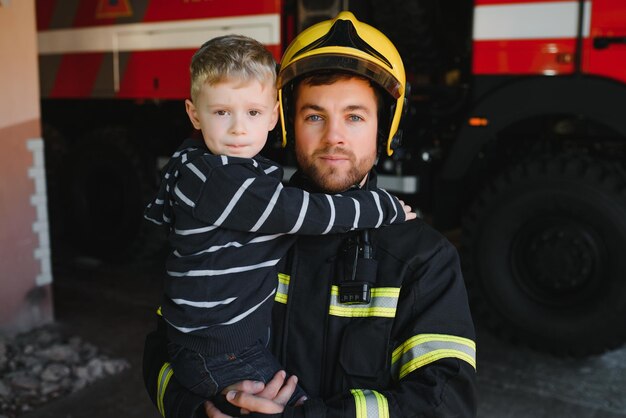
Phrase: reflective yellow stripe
(159, 312)
(359, 403)
(423, 349)
(370, 404)
(383, 406)
(283, 288)
(164, 378)
(382, 304)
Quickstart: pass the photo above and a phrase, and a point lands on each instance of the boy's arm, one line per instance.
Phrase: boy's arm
(240, 197)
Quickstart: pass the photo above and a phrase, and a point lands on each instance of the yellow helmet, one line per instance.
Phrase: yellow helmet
(346, 44)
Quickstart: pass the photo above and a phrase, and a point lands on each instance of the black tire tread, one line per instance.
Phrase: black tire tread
(593, 172)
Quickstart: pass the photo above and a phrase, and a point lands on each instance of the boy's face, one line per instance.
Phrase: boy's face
(234, 116)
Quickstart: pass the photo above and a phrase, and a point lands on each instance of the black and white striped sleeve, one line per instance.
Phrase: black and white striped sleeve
(242, 197)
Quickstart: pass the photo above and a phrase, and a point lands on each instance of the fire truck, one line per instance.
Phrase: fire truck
(514, 136)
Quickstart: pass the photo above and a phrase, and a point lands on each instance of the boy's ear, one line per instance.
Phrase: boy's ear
(274, 118)
(192, 113)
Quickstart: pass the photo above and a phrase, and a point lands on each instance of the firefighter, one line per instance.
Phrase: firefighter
(373, 323)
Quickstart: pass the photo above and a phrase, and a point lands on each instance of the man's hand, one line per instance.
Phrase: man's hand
(255, 397)
(408, 211)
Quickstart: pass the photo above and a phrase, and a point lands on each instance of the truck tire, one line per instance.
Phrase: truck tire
(108, 185)
(543, 253)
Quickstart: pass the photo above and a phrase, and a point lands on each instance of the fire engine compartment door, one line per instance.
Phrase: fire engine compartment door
(605, 51)
(537, 37)
(152, 39)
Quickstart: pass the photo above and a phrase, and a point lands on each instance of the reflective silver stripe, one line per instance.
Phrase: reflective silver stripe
(382, 304)
(283, 288)
(370, 404)
(164, 377)
(424, 349)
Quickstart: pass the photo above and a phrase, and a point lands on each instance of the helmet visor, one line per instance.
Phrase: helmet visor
(335, 61)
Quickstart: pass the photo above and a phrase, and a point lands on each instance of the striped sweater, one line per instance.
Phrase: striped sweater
(231, 220)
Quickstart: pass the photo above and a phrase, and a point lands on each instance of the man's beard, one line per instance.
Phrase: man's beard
(330, 179)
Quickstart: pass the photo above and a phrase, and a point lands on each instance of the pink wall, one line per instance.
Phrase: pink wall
(25, 277)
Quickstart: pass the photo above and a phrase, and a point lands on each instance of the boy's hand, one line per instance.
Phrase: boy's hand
(408, 211)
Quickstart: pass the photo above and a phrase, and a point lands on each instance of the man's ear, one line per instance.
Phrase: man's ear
(274, 118)
(192, 113)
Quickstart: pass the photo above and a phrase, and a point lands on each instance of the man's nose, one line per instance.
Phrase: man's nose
(335, 132)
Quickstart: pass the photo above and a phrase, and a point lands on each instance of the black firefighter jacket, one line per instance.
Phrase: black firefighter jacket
(409, 352)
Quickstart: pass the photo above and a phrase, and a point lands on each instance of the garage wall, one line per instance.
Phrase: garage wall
(25, 274)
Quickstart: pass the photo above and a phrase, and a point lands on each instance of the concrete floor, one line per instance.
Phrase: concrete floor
(112, 306)
(515, 382)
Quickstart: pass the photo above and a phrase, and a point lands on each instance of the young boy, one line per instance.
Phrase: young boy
(231, 220)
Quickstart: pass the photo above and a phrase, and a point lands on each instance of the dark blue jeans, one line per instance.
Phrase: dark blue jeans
(208, 375)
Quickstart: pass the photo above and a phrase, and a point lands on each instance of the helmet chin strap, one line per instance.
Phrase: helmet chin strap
(364, 183)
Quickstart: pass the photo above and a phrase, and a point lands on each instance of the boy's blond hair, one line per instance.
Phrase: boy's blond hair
(231, 57)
